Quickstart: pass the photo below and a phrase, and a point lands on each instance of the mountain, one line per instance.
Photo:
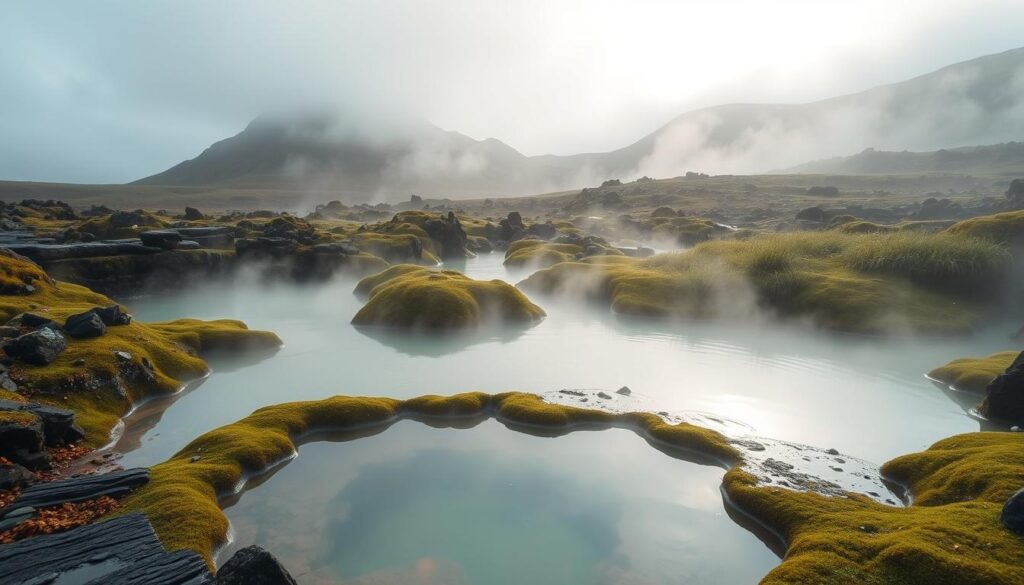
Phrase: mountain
(997, 159)
(973, 102)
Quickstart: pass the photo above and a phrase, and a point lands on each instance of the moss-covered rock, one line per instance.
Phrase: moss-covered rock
(419, 298)
(973, 374)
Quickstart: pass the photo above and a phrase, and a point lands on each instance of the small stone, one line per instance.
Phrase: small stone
(195, 458)
(625, 391)
(604, 395)
(832, 452)
(77, 363)
(39, 348)
(85, 325)
(123, 355)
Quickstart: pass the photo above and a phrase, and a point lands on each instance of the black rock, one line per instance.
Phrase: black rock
(14, 476)
(23, 443)
(193, 214)
(59, 426)
(120, 551)
(188, 245)
(1012, 516)
(40, 347)
(1004, 397)
(78, 489)
(544, 231)
(447, 231)
(84, 325)
(815, 213)
(253, 566)
(166, 239)
(34, 321)
(113, 315)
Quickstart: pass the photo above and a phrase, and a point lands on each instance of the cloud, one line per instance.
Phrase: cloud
(120, 90)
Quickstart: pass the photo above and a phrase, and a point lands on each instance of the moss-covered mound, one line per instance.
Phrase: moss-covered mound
(973, 374)
(100, 377)
(181, 499)
(1005, 228)
(120, 224)
(541, 254)
(929, 283)
(420, 298)
(950, 535)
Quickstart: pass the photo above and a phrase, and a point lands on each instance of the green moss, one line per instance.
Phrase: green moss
(539, 254)
(395, 247)
(17, 417)
(416, 297)
(973, 374)
(927, 283)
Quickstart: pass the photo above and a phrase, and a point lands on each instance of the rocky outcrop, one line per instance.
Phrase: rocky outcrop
(448, 233)
(79, 489)
(1004, 398)
(1012, 515)
(253, 566)
(119, 551)
(39, 347)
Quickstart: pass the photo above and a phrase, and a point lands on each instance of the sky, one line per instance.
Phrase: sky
(108, 92)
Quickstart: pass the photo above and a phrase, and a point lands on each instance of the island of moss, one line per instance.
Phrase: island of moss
(414, 297)
(871, 283)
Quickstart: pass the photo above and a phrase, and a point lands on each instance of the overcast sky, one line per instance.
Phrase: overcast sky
(113, 91)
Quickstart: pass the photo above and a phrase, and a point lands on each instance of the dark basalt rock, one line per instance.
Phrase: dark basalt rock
(165, 239)
(59, 426)
(1004, 397)
(113, 315)
(264, 247)
(78, 489)
(33, 321)
(346, 248)
(1012, 516)
(447, 231)
(193, 214)
(120, 551)
(85, 325)
(188, 245)
(544, 231)
(23, 443)
(14, 476)
(40, 347)
(41, 252)
(253, 566)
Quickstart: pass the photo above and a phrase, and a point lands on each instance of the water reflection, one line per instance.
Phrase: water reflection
(421, 505)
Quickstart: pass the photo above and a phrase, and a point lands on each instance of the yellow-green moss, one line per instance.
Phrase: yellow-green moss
(973, 374)
(1006, 228)
(539, 254)
(18, 275)
(163, 356)
(417, 297)
(104, 229)
(867, 283)
(394, 247)
(181, 499)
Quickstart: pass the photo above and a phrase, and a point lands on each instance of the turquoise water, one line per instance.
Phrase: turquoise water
(490, 506)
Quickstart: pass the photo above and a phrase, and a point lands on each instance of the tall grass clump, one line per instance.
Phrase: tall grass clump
(941, 262)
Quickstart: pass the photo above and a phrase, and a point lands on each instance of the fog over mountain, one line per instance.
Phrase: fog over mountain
(973, 102)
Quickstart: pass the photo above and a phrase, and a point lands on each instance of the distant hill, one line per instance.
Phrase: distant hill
(974, 102)
(998, 159)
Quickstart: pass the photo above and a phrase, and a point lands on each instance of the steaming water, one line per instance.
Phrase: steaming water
(866, 397)
(419, 505)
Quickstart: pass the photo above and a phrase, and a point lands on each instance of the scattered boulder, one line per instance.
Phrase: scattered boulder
(14, 476)
(1012, 516)
(253, 565)
(827, 191)
(21, 440)
(544, 231)
(448, 232)
(193, 214)
(33, 321)
(113, 315)
(85, 325)
(1004, 396)
(39, 347)
(815, 213)
(165, 239)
